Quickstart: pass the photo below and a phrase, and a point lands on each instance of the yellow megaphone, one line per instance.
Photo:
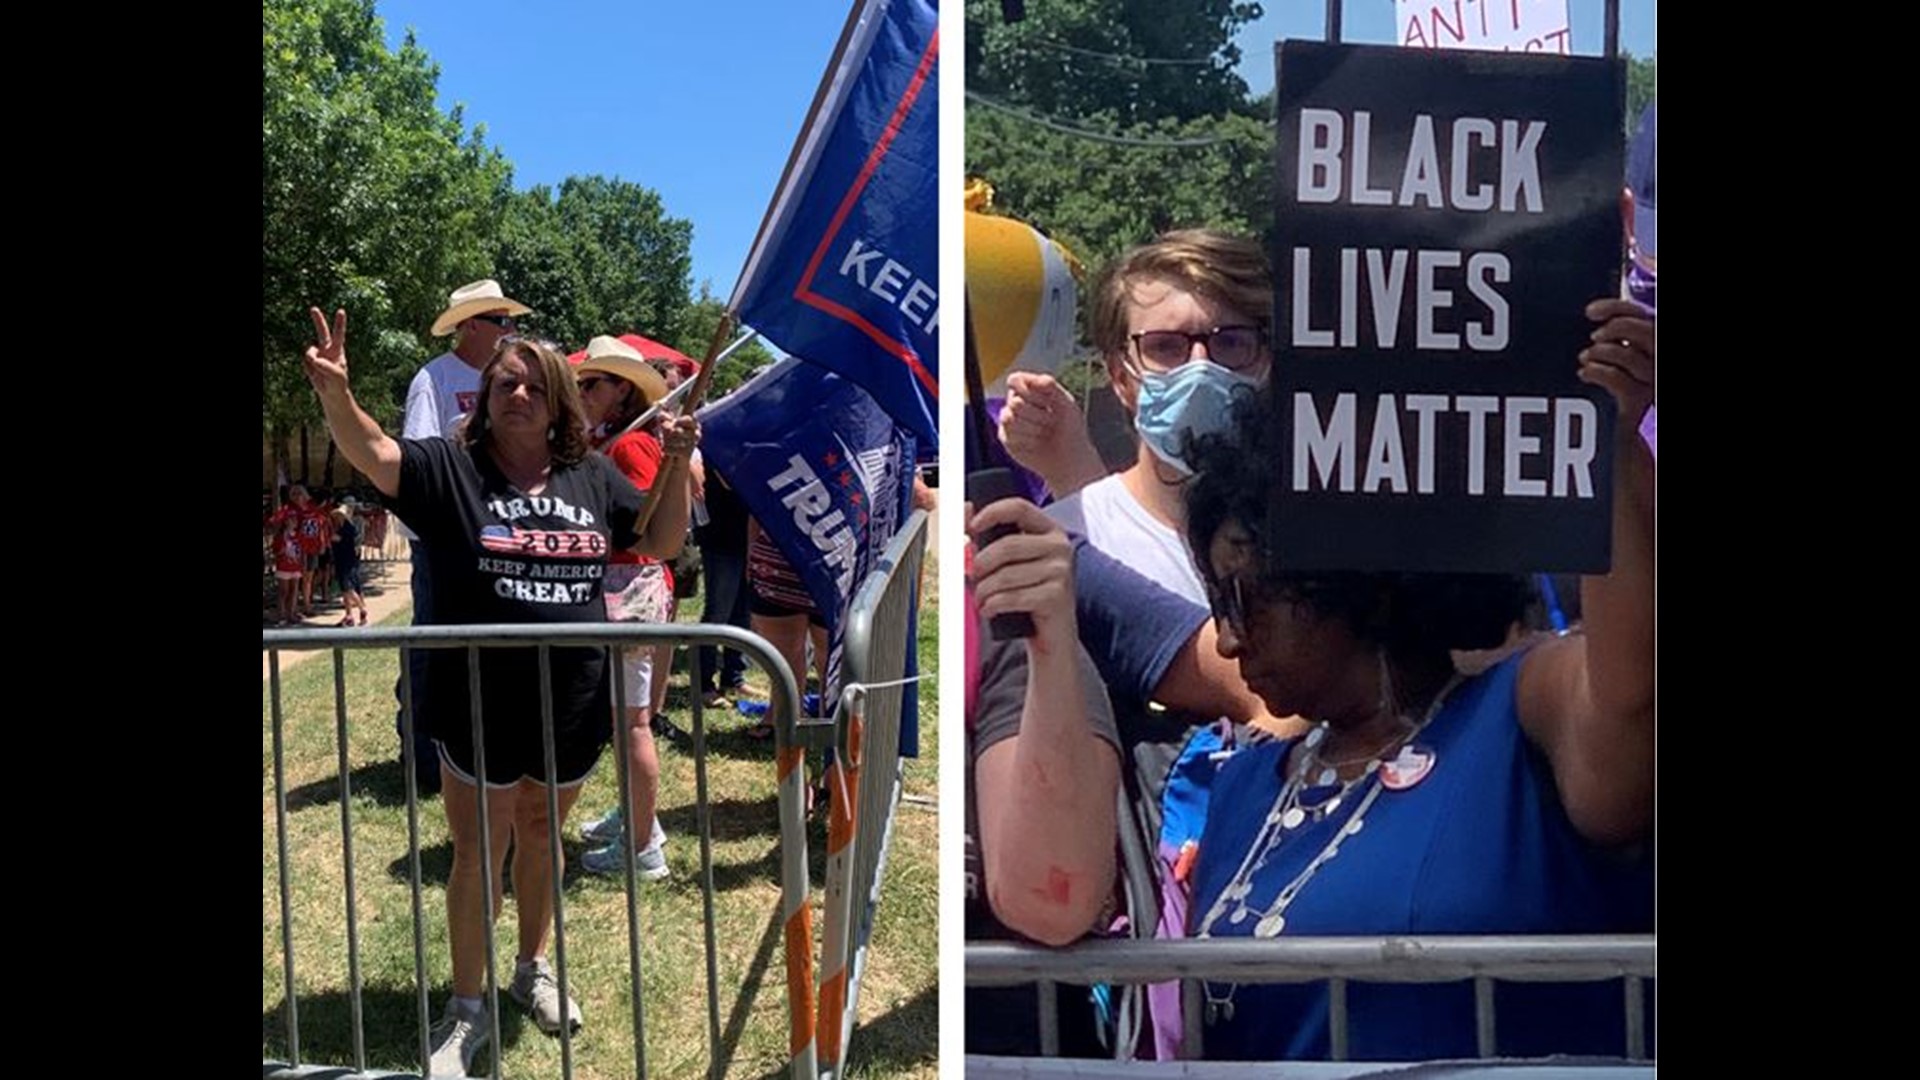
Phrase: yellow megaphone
(1022, 298)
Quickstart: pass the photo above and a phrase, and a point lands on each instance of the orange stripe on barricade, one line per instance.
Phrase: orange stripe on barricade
(800, 978)
(789, 760)
(833, 1007)
(856, 737)
(842, 806)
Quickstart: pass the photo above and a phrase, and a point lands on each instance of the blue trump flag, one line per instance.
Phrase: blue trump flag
(829, 477)
(845, 270)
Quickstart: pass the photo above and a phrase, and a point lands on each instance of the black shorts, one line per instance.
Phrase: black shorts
(348, 578)
(512, 759)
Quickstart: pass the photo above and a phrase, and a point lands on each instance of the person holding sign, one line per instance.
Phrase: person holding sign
(520, 518)
(1184, 325)
(1512, 801)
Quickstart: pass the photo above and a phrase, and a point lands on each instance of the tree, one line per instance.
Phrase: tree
(701, 319)
(600, 256)
(1138, 61)
(1101, 198)
(371, 199)
(1159, 145)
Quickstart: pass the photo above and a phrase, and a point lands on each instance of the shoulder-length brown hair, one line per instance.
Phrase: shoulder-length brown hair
(567, 431)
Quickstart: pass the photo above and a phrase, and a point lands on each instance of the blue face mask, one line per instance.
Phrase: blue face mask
(1195, 399)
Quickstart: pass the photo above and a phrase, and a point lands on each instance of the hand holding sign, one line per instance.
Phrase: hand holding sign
(1621, 356)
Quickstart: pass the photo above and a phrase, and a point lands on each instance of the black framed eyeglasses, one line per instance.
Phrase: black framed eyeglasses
(504, 322)
(1235, 348)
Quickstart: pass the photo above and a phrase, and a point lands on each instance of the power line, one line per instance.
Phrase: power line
(1095, 136)
(1122, 59)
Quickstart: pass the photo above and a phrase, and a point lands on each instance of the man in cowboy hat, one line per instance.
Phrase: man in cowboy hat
(478, 315)
(446, 389)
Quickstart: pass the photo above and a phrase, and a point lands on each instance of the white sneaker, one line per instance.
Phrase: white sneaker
(606, 828)
(649, 863)
(456, 1040)
(538, 992)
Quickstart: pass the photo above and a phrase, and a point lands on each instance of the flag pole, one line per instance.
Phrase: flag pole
(668, 472)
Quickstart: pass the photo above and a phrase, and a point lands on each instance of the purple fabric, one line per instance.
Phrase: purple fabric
(1646, 432)
(1163, 999)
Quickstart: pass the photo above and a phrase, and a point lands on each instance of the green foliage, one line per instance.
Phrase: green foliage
(1640, 89)
(1047, 61)
(372, 200)
(700, 320)
(1100, 199)
(375, 200)
(600, 257)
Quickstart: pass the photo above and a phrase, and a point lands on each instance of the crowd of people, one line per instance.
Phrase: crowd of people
(1298, 753)
(315, 543)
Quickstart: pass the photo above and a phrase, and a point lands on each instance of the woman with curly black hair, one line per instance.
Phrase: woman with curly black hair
(1514, 800)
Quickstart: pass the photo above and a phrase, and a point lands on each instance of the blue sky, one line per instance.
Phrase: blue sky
(1371, 22)
(699, 101)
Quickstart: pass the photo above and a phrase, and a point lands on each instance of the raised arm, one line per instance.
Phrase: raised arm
(361, 442)
(1587, 700)
(1045, 794)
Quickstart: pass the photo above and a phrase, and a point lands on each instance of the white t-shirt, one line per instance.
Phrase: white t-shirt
(442, 391)
(1111, 519)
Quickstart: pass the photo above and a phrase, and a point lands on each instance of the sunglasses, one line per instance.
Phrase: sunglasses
(1232, 347)
(504, 322)
(592, 381)
(1229, 603)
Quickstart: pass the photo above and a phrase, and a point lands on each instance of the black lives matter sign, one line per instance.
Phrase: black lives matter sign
(1442, 220)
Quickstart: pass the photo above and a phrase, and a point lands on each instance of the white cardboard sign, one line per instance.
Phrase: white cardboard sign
(1495, 25)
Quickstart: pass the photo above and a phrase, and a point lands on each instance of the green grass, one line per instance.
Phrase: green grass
(899, 995)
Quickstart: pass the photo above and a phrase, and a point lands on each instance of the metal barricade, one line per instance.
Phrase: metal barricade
(793, 913)
(1337, 961)
(864, 781)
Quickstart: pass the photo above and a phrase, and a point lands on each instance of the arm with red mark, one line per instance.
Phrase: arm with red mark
(1047, 774)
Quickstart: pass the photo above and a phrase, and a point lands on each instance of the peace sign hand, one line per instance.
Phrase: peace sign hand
(326, 359)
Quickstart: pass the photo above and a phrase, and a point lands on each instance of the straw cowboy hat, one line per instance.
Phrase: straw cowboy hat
(476, 298)
(611, 356)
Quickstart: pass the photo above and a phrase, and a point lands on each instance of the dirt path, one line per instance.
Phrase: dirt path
(387, 592)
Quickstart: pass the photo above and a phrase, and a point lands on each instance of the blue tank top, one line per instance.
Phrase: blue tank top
(1481, 845)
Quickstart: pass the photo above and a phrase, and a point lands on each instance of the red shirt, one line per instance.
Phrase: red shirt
(313, 529)
(638, 455)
